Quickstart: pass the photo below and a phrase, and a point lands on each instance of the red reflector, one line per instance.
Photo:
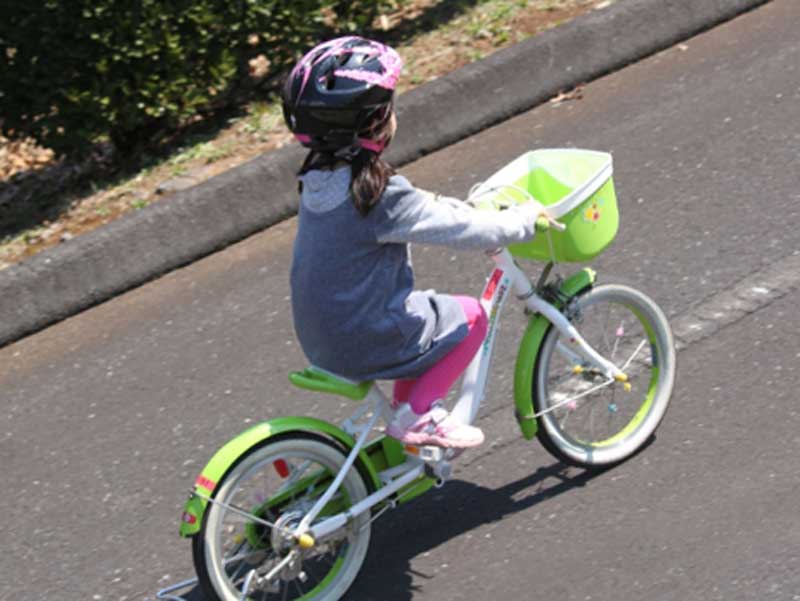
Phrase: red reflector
(189, 518)
(281, 468)
(206, 483)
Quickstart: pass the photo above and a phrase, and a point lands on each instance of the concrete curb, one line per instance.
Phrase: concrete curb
(141, 246)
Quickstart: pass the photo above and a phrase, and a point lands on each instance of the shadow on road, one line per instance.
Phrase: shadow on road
(438, 517)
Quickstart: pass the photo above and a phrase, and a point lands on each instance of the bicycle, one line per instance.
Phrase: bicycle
(285, 509)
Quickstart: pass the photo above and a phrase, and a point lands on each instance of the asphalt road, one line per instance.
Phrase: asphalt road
(108, 416)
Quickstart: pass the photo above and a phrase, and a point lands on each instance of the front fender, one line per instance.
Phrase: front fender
(529, 351)
(226, 457)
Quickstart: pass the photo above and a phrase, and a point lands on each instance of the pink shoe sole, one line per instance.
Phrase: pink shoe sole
(433, 439)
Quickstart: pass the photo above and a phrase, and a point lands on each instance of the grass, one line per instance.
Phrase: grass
(434, 37)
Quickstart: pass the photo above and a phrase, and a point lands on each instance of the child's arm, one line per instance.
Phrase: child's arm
(407, 214)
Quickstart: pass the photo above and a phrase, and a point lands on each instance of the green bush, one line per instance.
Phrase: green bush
(79, 72)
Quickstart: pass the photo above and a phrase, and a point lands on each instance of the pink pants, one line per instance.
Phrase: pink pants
(434, 384)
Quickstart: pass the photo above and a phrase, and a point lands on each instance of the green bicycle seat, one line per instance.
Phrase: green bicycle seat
(318, 380)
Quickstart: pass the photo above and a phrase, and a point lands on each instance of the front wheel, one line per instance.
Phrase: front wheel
(584, 419)
(279, 482)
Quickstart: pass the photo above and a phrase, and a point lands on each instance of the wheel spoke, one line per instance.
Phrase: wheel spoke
(312, 575)
(633, 355)
(571, 356)
(295, 474)
(238, 571)
(605, 328)
(563, 421)
(236, 518)
(618, 334)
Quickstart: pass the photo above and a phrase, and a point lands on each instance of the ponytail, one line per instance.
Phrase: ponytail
(369, 176)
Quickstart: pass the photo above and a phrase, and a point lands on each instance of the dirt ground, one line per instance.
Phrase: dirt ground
(437, 37)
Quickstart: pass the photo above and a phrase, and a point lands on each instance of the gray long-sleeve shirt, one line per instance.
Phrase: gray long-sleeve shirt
(355, 310)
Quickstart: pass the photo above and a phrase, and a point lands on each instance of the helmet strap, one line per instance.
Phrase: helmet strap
(372, 145)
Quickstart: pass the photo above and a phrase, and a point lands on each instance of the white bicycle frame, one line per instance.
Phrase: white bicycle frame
(433, 461)
(507, 276)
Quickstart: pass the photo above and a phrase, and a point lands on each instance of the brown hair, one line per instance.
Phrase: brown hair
(369, 172)
(370, 175)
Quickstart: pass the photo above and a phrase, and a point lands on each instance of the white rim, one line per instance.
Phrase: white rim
(665, 348)
(317, 452)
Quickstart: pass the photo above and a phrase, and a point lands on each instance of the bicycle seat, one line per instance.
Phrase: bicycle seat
(319, 380)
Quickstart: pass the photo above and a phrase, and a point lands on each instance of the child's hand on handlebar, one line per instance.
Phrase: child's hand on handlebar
(534, 212)
(530, 211)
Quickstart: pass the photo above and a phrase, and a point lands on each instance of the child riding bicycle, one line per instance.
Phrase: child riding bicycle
(355, 309)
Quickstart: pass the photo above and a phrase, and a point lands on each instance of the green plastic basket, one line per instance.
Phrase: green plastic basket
(576, 187)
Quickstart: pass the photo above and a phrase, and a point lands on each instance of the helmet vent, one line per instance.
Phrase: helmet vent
(342, 58)
(330, 81)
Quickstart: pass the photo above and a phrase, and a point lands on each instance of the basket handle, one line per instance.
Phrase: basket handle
(543, 223)
(471, 196)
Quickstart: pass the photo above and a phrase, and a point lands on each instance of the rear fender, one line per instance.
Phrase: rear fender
(225, 459)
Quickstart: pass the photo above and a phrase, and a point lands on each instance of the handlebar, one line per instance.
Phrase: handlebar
(544, 223)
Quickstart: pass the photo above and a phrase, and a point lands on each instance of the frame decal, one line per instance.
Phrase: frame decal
(491, 285)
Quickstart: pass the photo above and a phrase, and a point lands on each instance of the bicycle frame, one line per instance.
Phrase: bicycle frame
(393, 473)
(412, 476)
(507, 276)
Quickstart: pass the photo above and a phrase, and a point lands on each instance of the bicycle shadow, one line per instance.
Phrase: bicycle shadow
(439, 516)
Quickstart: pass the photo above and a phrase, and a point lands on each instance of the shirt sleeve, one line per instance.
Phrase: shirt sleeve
(407, 214)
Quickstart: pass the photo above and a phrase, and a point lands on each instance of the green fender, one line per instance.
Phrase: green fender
(228, 455)
(529, 351)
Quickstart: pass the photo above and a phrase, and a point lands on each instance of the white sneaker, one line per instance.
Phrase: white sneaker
(436, 427)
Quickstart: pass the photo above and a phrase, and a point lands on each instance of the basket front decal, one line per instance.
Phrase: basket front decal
(592, 214)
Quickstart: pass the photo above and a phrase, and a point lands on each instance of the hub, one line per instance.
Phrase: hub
(282, 539)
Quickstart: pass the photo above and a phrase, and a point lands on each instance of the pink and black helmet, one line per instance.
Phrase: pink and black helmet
(338, 90)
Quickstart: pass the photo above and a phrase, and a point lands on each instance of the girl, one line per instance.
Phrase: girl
(356, 313)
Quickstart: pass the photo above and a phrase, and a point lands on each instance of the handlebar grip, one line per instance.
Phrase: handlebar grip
(543, 224)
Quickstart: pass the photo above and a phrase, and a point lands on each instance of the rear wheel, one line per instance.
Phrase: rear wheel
(584, 419)
(279, 482)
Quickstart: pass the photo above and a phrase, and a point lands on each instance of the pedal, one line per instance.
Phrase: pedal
(441, 471)
(428, 454)
(436, 461)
